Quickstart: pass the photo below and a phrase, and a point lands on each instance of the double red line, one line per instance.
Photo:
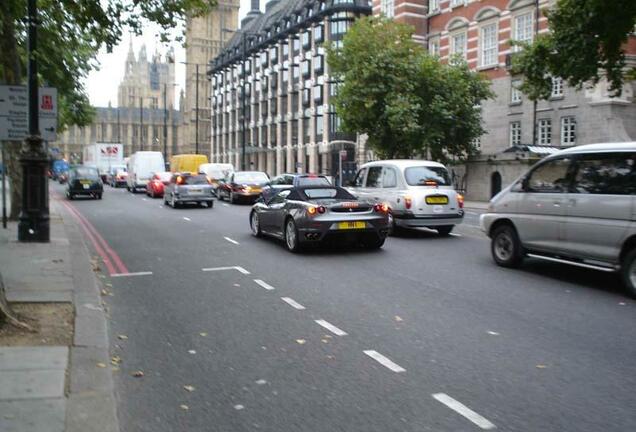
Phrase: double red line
(112, 261)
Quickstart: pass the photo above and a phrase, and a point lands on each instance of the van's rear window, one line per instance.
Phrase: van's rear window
(419, 176)
(195, 180)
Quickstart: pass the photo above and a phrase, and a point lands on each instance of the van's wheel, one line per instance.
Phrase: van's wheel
(628, 272)
(376, 243)
(394, 229)
(291, 236)
(445, 230)
(99, 196)
(232, 198)
(506, 247)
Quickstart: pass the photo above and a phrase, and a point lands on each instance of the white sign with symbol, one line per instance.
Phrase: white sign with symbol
(14, 110)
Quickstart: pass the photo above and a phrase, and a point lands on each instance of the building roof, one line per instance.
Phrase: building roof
(280, 19)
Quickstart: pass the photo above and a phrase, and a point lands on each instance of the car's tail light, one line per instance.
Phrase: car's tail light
(311, 211)
(381, 208)
(180, 180)
(408, 202)
(321, 209)
(460, 201)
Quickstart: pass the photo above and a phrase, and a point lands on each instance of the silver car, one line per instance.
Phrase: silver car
(577, 206)
(187, 188)
(419, 193)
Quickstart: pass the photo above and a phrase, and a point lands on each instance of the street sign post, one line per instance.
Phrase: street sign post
(14, 125)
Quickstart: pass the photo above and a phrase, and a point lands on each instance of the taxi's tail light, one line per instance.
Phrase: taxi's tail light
(460, 201)
(311, 211)
(180, 180)
(322, 209)
(381, 208)
(408, 202)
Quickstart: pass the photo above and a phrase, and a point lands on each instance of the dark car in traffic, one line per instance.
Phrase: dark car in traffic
(301, 216)
(242, 185)
(84, 181)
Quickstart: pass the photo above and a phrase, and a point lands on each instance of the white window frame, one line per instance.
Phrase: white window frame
(476, 142)
(387, 7)
(523, 28)
(515, 93)
(457, 3)
(544, 131)
(454, 45)
(557, 87)
(515, 133)
(434, 46)
(433, 6)
(568, 131)
(489, 48)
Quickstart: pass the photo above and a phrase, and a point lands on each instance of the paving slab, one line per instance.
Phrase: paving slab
(31, 384)
(35, 415)
(33, 358)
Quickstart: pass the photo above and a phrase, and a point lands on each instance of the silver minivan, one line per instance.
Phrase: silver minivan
(419, 193)
(577, 206)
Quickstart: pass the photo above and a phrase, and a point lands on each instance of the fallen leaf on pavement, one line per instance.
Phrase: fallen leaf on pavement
(301, 341)
(115, 360)
(204, 334)
(101, 365)
(398, 318)
(184, 407)
(324, 340)
(541, 366)
(237, 285)
(188, 388)
(192, 352)
(238, 407)
(138, 374)
(261, 382)
(122, 337)
(114, 369)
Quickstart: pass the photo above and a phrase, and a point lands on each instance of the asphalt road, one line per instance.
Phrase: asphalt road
(426, 334)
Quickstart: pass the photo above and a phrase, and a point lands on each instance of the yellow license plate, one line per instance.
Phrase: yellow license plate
(86, 182)
(438, 199)
(351, 225)
(255, 190)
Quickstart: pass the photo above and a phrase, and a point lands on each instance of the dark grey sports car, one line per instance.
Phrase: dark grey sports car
(304, 215)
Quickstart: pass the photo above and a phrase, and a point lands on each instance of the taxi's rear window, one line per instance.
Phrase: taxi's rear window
(195, 180)
(422, 175)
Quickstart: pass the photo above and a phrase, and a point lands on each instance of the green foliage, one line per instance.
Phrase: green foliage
(586, 43)
(405, 100)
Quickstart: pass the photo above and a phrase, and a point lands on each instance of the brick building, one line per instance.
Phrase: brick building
(519, 131)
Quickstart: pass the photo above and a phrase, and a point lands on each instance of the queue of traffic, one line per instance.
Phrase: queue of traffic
(575, 207)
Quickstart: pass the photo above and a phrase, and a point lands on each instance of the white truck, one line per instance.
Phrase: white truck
(103, 155)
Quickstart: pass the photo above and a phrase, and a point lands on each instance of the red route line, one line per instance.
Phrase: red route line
(113, 262)
(100, 251)
(121, 267)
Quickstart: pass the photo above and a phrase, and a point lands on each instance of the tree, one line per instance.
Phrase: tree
(405, 100)
(70, 34)
(587, 42)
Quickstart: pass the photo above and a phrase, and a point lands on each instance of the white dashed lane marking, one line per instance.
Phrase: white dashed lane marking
(264, 284)
(237, 268)
(293, 303)
(384, 361)
(131, 274)
(186, 219)
(332, 328)
(231, 241)
(463, 410)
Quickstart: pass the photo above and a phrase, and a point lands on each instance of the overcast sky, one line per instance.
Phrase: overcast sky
(102, 85)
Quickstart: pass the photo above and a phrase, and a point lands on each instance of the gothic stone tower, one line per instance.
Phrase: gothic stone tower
(204, 40)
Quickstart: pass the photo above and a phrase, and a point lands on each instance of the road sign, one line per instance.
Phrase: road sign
(343, 154)
(14, 109)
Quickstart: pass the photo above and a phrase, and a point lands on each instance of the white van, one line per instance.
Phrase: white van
(216, 172)
(141, 167)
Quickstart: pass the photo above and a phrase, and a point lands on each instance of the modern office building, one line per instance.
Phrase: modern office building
(271, 89)
(519, 131)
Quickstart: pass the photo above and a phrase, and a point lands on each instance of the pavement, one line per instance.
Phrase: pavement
(56, 388)
(218, 330)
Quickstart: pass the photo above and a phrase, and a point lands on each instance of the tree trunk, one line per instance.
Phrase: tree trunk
(11, 73)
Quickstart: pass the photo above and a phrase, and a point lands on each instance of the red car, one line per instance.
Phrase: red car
(155, 186)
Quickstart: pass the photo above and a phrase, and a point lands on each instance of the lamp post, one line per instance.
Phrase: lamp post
(244, 38)
(34, 216)
(196, 104)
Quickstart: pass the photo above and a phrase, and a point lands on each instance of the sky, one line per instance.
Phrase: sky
(102, 85)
